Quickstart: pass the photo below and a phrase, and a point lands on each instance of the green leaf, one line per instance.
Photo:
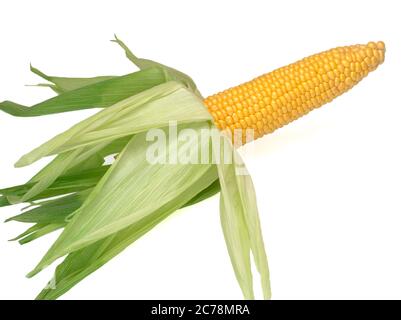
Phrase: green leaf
(53, 211)
(57, 211)
(49, 174)
(144, 64)
(29, 231)
(81, 263)
(240, 221)
(131, 190)
(73, 162)
(4, 202)
(251, 215)
(210, 191)
(40, 232)
(51, 215)
(98, 95)
(64, 84)
(79, 176)
(152, 108)
(237, 240)
(63, 185)
(77, 160)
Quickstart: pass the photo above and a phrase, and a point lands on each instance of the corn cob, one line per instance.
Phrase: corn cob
(279, 97)
(263, 104)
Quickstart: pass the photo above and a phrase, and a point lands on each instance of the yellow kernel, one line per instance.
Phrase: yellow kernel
(381, 56)
(348, 81)
(331, 75)
(229, 110)
(380, 45)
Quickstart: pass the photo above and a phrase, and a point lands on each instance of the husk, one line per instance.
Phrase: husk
(105, 208)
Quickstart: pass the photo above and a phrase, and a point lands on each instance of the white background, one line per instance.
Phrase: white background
(328, 185)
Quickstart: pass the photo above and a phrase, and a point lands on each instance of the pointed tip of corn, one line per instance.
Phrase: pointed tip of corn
(381, 45)
(376, 53)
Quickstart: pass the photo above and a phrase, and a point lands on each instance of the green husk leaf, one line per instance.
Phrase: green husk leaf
(63, 84)
(210, 191)
(98, 95)
(169, 101)
(49, 174)
(52, 211)
(251, 215)
(41, 232)
(30, 230)
(77, 160)
(81, 263)
(240, 222)
(65, 184)
(131, 190)
(4, 202)
(92, 161)
(36, 231)
(120, 203)
(144, 64)
(236, 236)
(56, 211)
(45, 85)
(71, 163)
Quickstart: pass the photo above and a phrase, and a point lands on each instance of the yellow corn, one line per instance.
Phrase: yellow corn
(279, 97)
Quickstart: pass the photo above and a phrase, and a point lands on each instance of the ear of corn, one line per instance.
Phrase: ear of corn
(94, 204)
(279, 97)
